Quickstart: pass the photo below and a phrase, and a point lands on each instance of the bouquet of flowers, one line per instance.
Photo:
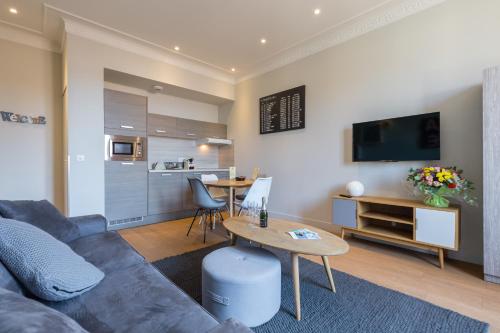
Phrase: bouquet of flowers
(436, 183)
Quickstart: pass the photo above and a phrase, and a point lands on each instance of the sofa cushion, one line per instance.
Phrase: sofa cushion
(41, 214)
(107, 251)
(8, 280)
(21, 314)
(137, 299)
(45, 266)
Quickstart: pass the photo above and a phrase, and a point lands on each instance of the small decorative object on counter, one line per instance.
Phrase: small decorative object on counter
(439, 183)
(263, 214)
(355, 188)
(232, 172)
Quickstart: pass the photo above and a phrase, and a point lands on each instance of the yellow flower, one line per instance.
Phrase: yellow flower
(448, 176)
(441, 179)
(431, 168)
(439, 175)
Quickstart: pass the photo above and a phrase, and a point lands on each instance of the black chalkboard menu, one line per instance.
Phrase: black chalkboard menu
(284, 111)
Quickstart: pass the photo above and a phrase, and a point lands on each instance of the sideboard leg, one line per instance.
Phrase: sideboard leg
(441, 258)
(342, 234)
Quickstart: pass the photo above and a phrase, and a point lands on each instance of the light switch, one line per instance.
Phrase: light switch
(80, 158)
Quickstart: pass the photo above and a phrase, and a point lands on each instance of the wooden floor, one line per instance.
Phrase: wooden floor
(458, 287)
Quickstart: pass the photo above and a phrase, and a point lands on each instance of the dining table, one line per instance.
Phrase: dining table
(231, 185)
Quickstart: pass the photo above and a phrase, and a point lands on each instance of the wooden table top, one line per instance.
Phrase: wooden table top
(276, 235)
(229, 183)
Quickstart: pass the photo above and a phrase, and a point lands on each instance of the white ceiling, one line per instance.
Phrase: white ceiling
(220, 33)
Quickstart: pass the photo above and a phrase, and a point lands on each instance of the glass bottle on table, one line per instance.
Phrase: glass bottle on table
(263, 214)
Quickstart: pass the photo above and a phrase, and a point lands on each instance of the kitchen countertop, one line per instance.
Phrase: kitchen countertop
(193, 170)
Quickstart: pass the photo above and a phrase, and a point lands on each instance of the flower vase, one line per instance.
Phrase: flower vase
(436, 200)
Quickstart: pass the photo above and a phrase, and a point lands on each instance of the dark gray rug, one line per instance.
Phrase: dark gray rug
(358, 305)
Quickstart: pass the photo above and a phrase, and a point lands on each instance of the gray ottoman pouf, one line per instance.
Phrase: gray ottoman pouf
(243, 283)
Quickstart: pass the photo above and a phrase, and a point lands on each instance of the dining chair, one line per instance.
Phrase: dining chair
(205, 205)
(255, 174)
(215, 192)
(259, 189)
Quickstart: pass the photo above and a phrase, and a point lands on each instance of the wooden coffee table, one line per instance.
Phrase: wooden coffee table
(276, 235)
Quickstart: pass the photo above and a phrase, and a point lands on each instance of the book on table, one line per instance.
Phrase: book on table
(303, 234)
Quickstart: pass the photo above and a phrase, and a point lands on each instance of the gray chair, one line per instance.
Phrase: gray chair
(205, 204)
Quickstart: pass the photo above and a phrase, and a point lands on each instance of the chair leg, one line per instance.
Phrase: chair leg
(220, 214)
(241, 209)
(205, 229)
(194, 219)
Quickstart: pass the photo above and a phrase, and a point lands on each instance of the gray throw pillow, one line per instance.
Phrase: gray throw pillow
(21, 314)
(44, 265)
(42, 214)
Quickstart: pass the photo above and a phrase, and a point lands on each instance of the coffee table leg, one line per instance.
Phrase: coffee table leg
(328, 272)
(296, 284)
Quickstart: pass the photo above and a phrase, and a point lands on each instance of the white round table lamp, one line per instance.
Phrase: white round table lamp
(355, 188)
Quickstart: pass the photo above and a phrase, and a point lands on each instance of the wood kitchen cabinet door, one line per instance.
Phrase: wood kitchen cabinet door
(165, 192)
(215, 130)
(126, 190)
(125, 112)
(159, 125)
(190, 129)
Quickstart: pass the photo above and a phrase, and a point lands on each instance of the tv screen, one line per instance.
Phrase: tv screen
(413, 138)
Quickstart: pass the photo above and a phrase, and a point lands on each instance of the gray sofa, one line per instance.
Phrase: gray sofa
(133, 296)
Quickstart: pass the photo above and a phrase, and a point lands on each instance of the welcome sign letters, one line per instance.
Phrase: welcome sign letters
(18, 118)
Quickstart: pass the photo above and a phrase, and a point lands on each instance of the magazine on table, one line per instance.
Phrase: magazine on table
(304, 234)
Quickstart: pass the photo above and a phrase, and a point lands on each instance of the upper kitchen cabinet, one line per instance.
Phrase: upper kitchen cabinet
(159, 125)
(215, 130)
(190, 129)
(124, 113)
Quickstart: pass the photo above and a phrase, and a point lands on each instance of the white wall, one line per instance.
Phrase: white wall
(169, 105)
(85, 63)
(432, 61)
(31, 155)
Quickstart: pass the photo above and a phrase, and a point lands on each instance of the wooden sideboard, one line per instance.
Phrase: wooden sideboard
(399, 221)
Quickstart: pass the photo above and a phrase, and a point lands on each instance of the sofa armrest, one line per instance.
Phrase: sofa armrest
(89, 224)
(230, 326)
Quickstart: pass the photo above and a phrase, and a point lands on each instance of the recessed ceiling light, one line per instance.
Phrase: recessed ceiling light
(177, 48)
(317, 11)
(12, 10)
(263, 41)
(233, 69)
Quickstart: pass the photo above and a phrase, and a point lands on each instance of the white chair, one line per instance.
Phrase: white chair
(260, 188)
(215, 192)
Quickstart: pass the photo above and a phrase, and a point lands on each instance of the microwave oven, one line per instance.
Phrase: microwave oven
(125, 148)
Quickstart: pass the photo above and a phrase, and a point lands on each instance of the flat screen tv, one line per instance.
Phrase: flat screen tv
(412, 138)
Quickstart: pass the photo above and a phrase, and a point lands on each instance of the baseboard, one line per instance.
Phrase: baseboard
(491, 278)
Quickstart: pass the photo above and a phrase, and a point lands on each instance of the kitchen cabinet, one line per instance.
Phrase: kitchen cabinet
(190, 129)
(159, 125)
(125, 113)
(164, 194)
(215, 130)
(126, 190)
(436, 227)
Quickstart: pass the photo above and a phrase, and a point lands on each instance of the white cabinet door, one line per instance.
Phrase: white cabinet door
(436, 227)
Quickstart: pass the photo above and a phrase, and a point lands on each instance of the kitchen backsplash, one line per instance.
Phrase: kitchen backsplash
(170, 149)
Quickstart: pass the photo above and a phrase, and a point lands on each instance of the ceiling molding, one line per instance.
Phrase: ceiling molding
(25, 36)
(343, 32)
(83, 27)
